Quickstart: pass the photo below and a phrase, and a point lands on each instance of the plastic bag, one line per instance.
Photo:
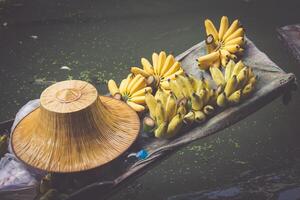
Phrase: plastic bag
(18, 181)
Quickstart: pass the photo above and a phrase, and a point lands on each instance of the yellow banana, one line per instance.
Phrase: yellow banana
(165, 85)
(189, 118)
(139, 84)
(175, 89)
(193, 82)
(147, 66)
(142, 92)
(174, 125)
(173, 76)
(223, 27)
(138, 99)
(136, 71)
(250, 73)
(236, 41)
(199, 116)
(233, 57)
(160, 113)
(216, 63)
(151, 104)
(112, 87)
(182, 108)
(233, 27)
(186, 85)
(235, 97)
(155, 62)
(208, 59)
(204, 95)
(171, 107)
(252, 80)
(123, 86)
(208, 109)
(211, 29)
(242, 77)
(168, 64)
(232, 48)
(247, 89)
(161, 96)
(238, 33)
(221, 100)
(161, 130)
(225, 54)
(217, 76)
(228, 70)
(197, 102)
(174, 68)
(161, 60)
(224, 60)
(202, 84)
(231, 86)
(132, 82)
(136, 107)
(237, 68)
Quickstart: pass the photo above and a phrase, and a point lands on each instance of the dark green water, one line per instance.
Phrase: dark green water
(258, 158)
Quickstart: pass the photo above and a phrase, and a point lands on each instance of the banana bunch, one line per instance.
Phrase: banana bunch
(166, 114)
(163, 67)
(132, 90)
(3, 145)
(222, 45)
(197, 94)
(238, 81)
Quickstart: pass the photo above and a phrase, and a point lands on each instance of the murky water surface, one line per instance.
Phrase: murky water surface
(258, 158)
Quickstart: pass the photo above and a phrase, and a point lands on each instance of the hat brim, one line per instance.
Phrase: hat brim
(32, 146)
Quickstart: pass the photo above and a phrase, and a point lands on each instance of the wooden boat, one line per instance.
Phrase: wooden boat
(273, 82)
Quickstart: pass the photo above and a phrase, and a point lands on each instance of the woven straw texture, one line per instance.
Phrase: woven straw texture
(74, 129)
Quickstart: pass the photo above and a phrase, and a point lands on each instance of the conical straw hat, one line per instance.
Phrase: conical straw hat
(74, 129)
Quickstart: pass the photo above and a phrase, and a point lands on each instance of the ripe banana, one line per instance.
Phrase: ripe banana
(231, 86)
(162, 68)
(175, 125)
(247, 89)
(142, 92)
(160, 113)
(223, 27)
(235, 97)
(221, 100)
(208, 109)
(217, 76)
(151, 104)
(222, 45)
(171, 107)
(189, 118)
(211, 29)
(136, 71)
(199, 116)
(161, 130)
(197, 102)
(112, 87)
(147, 66)
(132, 90)
(205, 61)
(136, 107)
